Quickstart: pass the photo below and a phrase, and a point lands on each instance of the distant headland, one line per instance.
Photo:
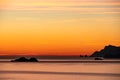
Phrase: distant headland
(109, 51)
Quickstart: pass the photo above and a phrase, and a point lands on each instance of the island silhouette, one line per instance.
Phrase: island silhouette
(23, 59)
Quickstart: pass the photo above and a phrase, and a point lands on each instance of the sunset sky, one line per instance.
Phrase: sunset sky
(58, 27)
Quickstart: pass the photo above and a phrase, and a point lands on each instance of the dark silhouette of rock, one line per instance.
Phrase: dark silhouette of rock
(33, 60)
(84, 56)
(108, 52)
(23, 59)
(98, 58)
(81, 56)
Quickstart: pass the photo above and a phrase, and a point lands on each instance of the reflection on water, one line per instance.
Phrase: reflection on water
(54, 77)
(59, 71)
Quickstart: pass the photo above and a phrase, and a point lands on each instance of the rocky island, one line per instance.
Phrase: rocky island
(23, 59)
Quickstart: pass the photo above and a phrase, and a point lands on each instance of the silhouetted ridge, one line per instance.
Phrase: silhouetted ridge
(109, 51)
(23, 59)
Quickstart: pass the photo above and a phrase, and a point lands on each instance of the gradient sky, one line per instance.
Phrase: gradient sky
(58, 27)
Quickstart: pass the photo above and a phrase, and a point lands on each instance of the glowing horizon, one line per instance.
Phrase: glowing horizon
(58, 27)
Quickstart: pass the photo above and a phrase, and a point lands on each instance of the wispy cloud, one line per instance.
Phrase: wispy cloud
(87, 6)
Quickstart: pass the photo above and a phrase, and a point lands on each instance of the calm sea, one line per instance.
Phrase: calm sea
(59, 71)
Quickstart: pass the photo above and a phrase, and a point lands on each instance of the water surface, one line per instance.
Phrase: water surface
(59, 71)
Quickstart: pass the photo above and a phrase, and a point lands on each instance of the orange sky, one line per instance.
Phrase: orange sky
(58, 27)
